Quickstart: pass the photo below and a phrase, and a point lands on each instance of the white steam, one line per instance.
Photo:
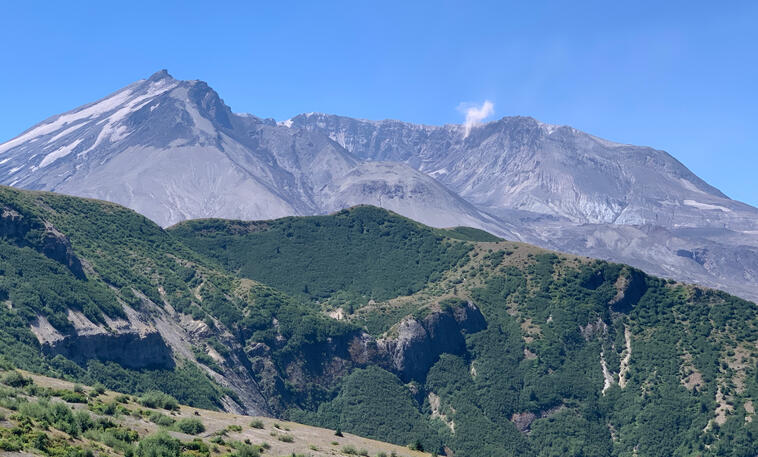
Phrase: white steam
(475, 114)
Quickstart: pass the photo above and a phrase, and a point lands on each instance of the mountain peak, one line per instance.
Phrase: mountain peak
(160, 75)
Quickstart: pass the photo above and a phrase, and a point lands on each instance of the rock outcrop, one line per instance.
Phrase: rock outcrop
(129, 350)
(130, 343)
(413, 348)
(630, 287)
(56, 246)
(420, 342)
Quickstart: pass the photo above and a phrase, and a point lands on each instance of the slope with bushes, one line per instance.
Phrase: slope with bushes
(446, 340)
(578, 357)
(46, 416)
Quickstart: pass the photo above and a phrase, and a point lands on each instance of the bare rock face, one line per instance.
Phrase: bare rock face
(155, 338)
(127, 349)
(56, 246)
(523, 421)
(416, 345)
(12, 224)
(419, 343)
(129, 343)
(630, 287)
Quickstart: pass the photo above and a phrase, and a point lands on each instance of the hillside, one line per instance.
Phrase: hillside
(41, 415)
(137, 314)
(324, 255)
(567, 348)
(370, 322)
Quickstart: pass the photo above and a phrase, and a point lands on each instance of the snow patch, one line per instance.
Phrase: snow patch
(61, 121)
(701, 205)
(690, 186)
(66, 132)
(59, 153)
(111, 131)
(549, 128)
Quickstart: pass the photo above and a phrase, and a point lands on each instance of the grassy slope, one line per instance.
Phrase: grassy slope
(124, 416)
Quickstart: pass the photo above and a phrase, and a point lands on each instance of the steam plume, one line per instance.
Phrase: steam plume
(475, 114)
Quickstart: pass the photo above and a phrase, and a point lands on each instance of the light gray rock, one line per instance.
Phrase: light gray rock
(567, 190)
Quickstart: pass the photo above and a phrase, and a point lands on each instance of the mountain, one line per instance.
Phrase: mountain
(568, 190)
(451, 340)
(521, 164)
(173, 151)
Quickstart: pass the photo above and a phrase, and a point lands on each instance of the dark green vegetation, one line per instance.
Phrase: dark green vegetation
(577, 358)
(365, 252)
(375, 404)
(128, 261)
(131, 262)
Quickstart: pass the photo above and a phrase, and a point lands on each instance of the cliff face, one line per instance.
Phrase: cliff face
(12, 224)
(419, 343)
(127, 349)
(129, 342)
(415, 345)
(155, 338)
(630, 287)
(56, 246)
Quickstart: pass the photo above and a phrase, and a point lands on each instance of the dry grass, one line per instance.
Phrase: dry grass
(309, 441)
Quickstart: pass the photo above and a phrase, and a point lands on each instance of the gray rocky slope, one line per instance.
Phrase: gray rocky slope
(173, 150)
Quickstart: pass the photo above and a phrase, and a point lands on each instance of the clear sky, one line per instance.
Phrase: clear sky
(679, 76)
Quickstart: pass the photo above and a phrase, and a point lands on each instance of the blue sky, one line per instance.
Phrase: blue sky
(679, 76)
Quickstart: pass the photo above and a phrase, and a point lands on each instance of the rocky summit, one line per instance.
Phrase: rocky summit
(173, 150)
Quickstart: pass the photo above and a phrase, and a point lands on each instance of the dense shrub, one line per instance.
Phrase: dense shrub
(190, 426)
(159, 445)
(366, 251)
(155, 399)
(15, 379)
